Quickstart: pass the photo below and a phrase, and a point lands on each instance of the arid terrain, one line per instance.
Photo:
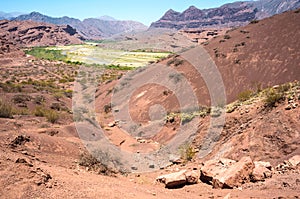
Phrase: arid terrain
(254, 154)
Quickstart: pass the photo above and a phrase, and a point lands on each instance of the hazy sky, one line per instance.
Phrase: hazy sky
(138, 10)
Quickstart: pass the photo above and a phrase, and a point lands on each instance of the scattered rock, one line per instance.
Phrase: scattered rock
(140, 140)
(41, 177)
(288, 165)
(261, 171)
(192, 177)
(24, 161)
(173, 180)
(19, 140)
(112, 124)
(295, 160)
(288, 107)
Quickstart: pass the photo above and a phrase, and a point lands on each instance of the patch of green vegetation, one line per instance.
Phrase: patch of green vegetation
(118, 67)
(48, 54)
(91, 53)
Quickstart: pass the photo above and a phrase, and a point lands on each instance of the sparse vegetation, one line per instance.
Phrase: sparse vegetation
(51, 115)
(273, 96)
(175, 61)
(245, 95)
(6, 110)
(11, 87)
(176, 77)
(227, 37)
(254, 21)
(107, 108)
(187, 152)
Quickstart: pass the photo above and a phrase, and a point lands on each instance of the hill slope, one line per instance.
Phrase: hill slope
(16, 34)
(233, 14)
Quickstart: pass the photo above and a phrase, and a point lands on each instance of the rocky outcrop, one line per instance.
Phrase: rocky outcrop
(233, 14)
(27, 33)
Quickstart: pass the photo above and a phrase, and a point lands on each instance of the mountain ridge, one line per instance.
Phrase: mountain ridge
(90, 28)
(228, 15)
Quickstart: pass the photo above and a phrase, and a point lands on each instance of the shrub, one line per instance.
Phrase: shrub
(245, 95)
(107, 108)
(5, 110)
(10, 87)
(91, 163)
(68, 93)
(39, 111)
(187, 153)
(186, 117)
(58, 95)
(21, 98)
(178, 62)
(52, 116)
(87, 160)
(227, 36)
(272, 96)
(176, 77)
(254, 22)
(170, 62)
(39, 99)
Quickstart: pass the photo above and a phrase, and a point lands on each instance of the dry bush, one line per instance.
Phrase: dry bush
(6, 110)
(273, 96)
(245, 95)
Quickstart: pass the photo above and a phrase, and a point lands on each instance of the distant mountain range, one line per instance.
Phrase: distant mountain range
(92, 28)
(10, 15)
(233, 14)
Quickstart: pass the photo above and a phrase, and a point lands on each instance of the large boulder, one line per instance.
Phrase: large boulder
(173, 180)
(227, 173)
(192, 177)
(235, 175)
(213, 168)
(261, 171)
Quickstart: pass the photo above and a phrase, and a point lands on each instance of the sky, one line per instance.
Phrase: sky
(137, 10)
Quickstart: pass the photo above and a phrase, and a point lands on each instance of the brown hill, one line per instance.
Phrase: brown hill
(263, 53)
(28, 33)
(16, 34)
